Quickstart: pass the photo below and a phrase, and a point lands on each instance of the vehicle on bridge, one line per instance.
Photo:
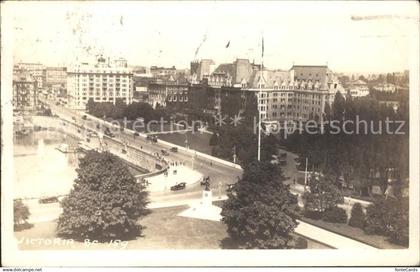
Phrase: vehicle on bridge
(179, 186)
(108, 133)
(152, 138)
(174, 149)
(46, 200)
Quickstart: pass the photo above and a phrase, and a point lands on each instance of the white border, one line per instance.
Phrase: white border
(12, 256)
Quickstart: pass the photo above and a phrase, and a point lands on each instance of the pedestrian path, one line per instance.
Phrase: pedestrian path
(329, 238)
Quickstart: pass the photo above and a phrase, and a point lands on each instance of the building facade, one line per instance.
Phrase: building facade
(358, 88)
(298, 94)
(25, 93)
(103, 82)
(55, 76)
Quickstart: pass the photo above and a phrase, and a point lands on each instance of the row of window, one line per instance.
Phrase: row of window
(180, 99)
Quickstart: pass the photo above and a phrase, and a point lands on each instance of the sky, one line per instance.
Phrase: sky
(348, 36)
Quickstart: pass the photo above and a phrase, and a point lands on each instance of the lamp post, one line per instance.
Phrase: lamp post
(306, 173)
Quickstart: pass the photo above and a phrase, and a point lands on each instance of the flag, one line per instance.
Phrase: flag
(262, 47)
(227, 45)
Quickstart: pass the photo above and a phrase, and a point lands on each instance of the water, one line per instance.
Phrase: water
(40, 169)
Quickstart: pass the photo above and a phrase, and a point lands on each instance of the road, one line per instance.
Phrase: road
(220, 174)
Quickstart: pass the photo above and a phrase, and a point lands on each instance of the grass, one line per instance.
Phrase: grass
(357, 234)
(164, 230)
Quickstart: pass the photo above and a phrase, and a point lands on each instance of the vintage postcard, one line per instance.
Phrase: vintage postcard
(210, 133)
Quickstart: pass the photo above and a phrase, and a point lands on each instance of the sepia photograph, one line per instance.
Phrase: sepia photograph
(210, 133)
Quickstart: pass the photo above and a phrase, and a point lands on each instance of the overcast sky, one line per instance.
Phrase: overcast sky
(169, 33)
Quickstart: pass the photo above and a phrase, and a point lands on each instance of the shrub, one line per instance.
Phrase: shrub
(377, 215)
(389, 216)
(316, 215)
(335, 215)
(301, 243)
(357, 218)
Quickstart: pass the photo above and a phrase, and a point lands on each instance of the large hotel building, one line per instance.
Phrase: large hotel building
(103, 82)
(299, 93)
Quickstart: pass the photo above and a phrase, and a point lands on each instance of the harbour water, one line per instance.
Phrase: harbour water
(40, 169)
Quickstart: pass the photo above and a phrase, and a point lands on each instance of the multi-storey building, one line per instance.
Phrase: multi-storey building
(298, 94)
(55, 76)
(201, 69)
(167, 92)
(358, 88)
(385, 87)
(25, 94)
(35, 70)
(103, 82)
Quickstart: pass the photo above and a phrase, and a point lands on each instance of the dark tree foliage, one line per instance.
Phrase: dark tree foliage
(358, 217)
(105, 203)
(335, 215)
(370, 147)
(323, 194)
(20, 215)
(389, 216)
(259, 212)
(121, 110)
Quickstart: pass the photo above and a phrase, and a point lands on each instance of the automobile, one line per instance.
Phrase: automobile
(174, 149)
(46, 200)
(57, 104)
(136, 134)
(109, 133)
(152, 138)
(230, 186)
(179, 186)
(164, 152)
(73, 118)
(84, 117)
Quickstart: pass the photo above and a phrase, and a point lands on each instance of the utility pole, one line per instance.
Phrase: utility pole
(234, 154)
(306, 173)
(259, 97)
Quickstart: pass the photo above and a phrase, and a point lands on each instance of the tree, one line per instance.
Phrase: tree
(338, 107)
(214, 140)
(335, 215)
(358, 217)
(20, 213)
(105, 203)
(323, 194)
(389, 216)
(260, 211)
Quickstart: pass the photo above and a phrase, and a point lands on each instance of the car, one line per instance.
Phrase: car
(136, 134)
(179, 186)
(164, 152)
(152, 138)
(174, 149)
(84, 117)
(108, 133)
(46, 200)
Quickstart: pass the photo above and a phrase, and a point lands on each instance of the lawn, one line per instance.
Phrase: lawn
(164, 230)
(354, 233)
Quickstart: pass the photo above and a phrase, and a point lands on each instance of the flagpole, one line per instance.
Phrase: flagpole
(259, 97)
